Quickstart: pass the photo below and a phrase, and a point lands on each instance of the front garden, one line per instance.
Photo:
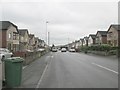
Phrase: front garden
(103, 49)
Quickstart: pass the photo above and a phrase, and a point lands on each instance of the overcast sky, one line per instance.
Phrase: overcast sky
(68, 21)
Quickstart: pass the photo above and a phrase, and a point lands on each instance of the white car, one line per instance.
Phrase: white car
(5, 53)
(54, 49)
(72, 50)
(63, 50)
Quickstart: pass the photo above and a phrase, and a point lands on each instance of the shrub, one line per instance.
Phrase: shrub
(103, 47)
(112, 52)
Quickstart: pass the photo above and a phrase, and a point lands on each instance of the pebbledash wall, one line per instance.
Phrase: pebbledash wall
(0, 38)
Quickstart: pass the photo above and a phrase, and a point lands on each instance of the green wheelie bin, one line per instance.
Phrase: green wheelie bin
(13, 71)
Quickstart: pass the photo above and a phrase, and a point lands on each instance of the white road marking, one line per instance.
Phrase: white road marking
(105, 68)
(39, 82)
(24, 67)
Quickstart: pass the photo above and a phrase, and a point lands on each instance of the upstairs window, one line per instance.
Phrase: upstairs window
(10, 35)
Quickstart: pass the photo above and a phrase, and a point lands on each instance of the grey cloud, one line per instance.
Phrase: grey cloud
(66, 19)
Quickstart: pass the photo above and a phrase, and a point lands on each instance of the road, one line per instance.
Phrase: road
(78, 70)
(71, 70)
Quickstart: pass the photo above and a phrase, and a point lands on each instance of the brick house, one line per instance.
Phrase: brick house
(101, 37)
(91, 39)
(112, 35)
(24, 39)
(9, 36)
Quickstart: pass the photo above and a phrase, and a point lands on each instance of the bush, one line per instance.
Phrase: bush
(112, 52)
(84, 48)
(103, 47)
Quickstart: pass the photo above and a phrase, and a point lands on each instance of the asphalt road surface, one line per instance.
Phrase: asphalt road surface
(79, 70)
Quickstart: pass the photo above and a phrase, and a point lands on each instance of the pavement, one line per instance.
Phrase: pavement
(0, 75)
(71, 70)
(33, 72)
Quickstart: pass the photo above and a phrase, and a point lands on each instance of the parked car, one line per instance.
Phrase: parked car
(5, 53)
(54, 50)
(63, 50)
(72, 50)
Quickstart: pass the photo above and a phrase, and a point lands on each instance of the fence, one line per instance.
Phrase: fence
(29, 56)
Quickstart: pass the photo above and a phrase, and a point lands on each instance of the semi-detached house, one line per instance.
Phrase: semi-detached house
(24, 39)
(101, 37)
(91, 39)
(9, 36)
(113, 35)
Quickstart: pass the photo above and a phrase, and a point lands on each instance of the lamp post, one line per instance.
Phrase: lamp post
(48, 38)
(46, 31)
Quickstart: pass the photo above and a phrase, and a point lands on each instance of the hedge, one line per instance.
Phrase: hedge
(103, 47)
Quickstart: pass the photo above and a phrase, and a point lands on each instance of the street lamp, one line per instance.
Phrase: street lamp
(48, 38)
(46, 31)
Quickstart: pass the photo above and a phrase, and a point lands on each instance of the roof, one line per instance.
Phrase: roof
(93, 36)
(103, 33)
(86, 38)
(76, 41)
(23, 31)
(31, 36)
(4, 25)
(117, 27)
(36, 38)
(81, 39)
(39, 40)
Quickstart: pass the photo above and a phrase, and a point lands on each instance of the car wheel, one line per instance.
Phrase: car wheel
(11, 55)
(3, 58)
(3, 83)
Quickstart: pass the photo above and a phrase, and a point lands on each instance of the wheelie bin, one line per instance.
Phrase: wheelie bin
(13, 71)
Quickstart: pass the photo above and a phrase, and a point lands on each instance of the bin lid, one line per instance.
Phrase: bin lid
(15, 59)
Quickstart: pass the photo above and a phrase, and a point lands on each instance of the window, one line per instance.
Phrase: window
(22, 38)
(10, 35)
(14, 36)
(110, 34)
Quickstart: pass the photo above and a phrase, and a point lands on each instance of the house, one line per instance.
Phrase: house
(9, 36)
(24, 39)
(69, 45)
(36, 43)
(77, 44)
(101, 37)
(41, 43)
(113, 34)
(91, 39)
(82, 42)
(85, 42)
(31, 42)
